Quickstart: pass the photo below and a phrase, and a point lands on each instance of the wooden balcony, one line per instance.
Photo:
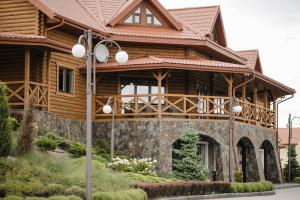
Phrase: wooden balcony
(179, 106)
(19, 94)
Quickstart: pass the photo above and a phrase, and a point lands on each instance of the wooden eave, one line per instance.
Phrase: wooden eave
(45, 43)
(205, 43)
(173, 22)
(217, 17)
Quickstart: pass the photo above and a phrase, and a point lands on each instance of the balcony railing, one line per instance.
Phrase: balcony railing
(180, 106)
(16, 94)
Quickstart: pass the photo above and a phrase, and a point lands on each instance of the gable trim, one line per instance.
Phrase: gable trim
(218, 15)
(173, 22)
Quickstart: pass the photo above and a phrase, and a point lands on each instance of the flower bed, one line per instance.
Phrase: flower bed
(183, 188)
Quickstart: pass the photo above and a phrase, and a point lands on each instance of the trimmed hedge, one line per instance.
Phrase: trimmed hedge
(132, 194)
(296, 180)
(183, 188)
(251, 187)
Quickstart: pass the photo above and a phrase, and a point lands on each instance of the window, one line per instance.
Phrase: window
(203, 153)
(135, 18)
(151, 19)
(65, 80)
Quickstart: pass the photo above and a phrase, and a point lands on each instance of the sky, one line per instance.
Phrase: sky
(272, 27)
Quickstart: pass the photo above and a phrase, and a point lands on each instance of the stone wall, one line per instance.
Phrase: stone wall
(154, 138)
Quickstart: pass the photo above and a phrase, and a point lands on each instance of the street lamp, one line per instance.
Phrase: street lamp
(83, 49)
(107, 109)
(289, 145)
(234, 107)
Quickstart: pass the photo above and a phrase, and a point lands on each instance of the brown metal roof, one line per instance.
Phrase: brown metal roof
(283, 136)
(252, 57)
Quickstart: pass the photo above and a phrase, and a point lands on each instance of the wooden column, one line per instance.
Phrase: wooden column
(255, 102)
(48, 73)
(275, 111)
(266, 103)
(26, 78)
(244, 96)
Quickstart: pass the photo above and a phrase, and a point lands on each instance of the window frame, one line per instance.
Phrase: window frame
(206, 152)
(72, 69)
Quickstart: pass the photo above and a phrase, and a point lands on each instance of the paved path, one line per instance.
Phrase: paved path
(283, 194)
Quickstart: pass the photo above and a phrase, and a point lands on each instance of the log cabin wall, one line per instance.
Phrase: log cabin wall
(19, 16)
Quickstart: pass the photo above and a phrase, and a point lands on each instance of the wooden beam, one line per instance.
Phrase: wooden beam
(26, 78)
(49, 79)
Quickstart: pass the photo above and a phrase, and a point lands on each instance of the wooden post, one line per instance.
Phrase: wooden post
(48, 79)
(255, 102)
(26, 78)
(244, 96)
(275, 111)
(266, 103)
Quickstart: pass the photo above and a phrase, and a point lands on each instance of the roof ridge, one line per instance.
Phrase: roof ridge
(190, 8)
(88, 10)
(247, 50)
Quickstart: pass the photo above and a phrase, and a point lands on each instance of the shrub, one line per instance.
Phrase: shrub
(295, 167)
(77, 149)
(64, 198)
(268, 185)
(36, 198)
(251, 187)
(13, 198)
(55, 189)
(144, 166)
(296, 180)
(5, 130)
(238, 177)
(25, 138)
(101, 148)
(13, 123)
(45, 143)
(15, 187)
(183, 188)
(234, 188)
(188, 166)
(132, 194)
(75, 190)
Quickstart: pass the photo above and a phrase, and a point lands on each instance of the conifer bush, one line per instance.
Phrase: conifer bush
(188, 166)
(5, 130)
(295, 168)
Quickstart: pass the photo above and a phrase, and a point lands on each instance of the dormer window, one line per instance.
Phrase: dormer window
(135, 18)
(151, 19)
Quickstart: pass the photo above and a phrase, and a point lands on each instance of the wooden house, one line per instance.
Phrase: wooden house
(180, 73)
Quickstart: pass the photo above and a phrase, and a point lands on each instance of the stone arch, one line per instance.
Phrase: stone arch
(209, 151)
(247, 160)
(268, 160)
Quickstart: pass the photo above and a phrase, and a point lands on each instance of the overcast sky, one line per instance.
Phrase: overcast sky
(272, 27)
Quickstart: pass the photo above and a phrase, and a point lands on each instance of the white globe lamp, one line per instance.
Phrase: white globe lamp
(122, 57)
(107, 109)
(237, 109)
(78, 51)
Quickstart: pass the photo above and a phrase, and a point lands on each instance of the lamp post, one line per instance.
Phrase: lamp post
(289, 145)
(233, 108)
(83, 49)
(107, 109)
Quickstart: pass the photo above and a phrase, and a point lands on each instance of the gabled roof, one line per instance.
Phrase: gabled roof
(132, 4)
(283, 136)
(203, 20)
(253, 60)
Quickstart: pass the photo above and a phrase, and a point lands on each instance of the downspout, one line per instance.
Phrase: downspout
(233, 132)
(62, 21)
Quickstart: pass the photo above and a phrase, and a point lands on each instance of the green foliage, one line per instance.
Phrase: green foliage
(45, 143)
(296, 180)
(5, 130)
(36, 198)
(144, 166)
(77, 149)
(251, 187)
(75, 190)
(21, 188)
(64, 198)
(55, 189)
(101, 148)
(46, 169)
(189, 165)
(25, 138)
(149, 179)
(295, 168)
(238, 177)
(13, 197)
(132, 194)
(13, 123)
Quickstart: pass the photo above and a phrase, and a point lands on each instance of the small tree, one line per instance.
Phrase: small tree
(26, 135)
(5, 130)
(188, 166)
(295, 168)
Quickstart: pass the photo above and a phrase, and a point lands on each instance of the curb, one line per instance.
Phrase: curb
(280, 187)
(215, 196)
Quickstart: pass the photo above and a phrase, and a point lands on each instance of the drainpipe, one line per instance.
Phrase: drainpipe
(61, 22)
(232, 118)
